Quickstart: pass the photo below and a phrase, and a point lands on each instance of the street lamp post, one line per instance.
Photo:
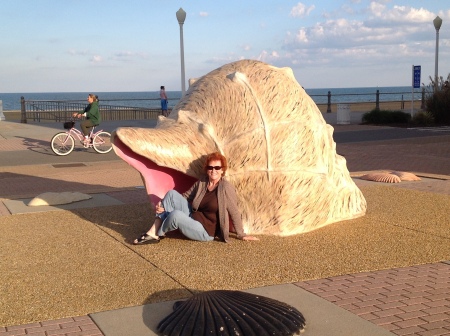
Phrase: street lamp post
(181, 16)
(437, 25)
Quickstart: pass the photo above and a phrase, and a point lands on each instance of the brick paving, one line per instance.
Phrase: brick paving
(8, 145)
(71, 326)
(406, 301)
(428, 154)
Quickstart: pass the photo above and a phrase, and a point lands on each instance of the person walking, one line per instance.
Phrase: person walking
(164, 101)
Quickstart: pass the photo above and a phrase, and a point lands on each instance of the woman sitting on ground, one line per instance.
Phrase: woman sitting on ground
(201, 213)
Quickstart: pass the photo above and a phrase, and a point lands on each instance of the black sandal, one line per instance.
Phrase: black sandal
(145, 239)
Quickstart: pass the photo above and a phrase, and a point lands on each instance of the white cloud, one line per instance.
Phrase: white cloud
(377, 8)
(301, 10)
(444, 14)
(263, 56)
(96, 59)
(269, 57)
(376, 33)
(74, 52)
(128, 55)
(301, 36)
(124, 54)
(400, 13)
(380, 29)
(203, 14)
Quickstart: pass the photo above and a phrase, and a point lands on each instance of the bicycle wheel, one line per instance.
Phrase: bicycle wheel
(102, 142)
(62, 143)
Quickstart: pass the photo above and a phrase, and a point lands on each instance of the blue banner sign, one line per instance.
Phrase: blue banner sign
(416, 76)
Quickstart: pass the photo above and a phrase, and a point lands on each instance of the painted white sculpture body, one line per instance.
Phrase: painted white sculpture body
(282, 157)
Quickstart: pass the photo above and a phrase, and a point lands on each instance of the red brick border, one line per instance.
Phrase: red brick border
(406, 301)
(71, 326)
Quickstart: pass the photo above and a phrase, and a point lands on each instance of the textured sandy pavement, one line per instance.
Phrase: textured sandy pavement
(59, 264)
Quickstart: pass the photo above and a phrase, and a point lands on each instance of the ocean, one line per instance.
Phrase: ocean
(11, 101)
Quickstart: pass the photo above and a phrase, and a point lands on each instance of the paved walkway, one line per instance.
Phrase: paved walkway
(412, 300)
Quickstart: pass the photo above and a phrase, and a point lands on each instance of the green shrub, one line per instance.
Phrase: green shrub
(385, 117)
(438, 105)
(422, 118)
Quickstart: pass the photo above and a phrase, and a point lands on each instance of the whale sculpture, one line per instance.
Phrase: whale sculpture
(281, 155)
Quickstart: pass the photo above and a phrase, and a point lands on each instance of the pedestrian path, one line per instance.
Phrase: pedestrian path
(441, 129)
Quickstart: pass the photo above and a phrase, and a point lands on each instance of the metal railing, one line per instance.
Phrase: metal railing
(377, 98)
(54, 110)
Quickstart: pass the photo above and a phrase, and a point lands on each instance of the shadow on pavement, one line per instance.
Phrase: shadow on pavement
(15, 186)
(128, 221)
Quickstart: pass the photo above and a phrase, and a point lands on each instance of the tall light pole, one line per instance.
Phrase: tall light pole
(437, 24)
(181, 16)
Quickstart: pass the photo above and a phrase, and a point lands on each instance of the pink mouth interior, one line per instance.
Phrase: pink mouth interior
(158, 180)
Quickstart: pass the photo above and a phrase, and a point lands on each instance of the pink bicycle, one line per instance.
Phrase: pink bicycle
(63, 143)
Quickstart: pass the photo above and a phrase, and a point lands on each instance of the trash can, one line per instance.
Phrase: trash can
(343, 114)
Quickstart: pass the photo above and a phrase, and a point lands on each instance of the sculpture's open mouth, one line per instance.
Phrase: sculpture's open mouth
(157, 179)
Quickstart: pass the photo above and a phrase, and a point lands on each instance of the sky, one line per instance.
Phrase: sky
(134, 45)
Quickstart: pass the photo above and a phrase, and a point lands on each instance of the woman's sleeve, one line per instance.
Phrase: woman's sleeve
(190, 194)
(233, 211)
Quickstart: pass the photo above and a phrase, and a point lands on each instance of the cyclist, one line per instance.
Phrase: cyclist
(92, 114)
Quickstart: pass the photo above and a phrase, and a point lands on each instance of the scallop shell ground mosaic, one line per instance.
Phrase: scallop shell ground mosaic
(390, 177)
(228, 313)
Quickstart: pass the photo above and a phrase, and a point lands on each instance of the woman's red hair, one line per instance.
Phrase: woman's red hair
(216, 157)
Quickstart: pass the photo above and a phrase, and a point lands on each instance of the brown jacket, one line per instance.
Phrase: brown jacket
(227, 200)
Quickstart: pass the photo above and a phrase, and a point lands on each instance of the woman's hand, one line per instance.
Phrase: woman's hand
(158, 208)
(75, 115)
(249, 238)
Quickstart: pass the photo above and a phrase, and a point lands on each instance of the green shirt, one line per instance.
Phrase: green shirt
(93, 113)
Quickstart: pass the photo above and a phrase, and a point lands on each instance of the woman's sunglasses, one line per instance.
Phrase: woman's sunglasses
(213, 167)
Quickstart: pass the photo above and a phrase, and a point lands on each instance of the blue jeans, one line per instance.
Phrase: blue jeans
(177, 215)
